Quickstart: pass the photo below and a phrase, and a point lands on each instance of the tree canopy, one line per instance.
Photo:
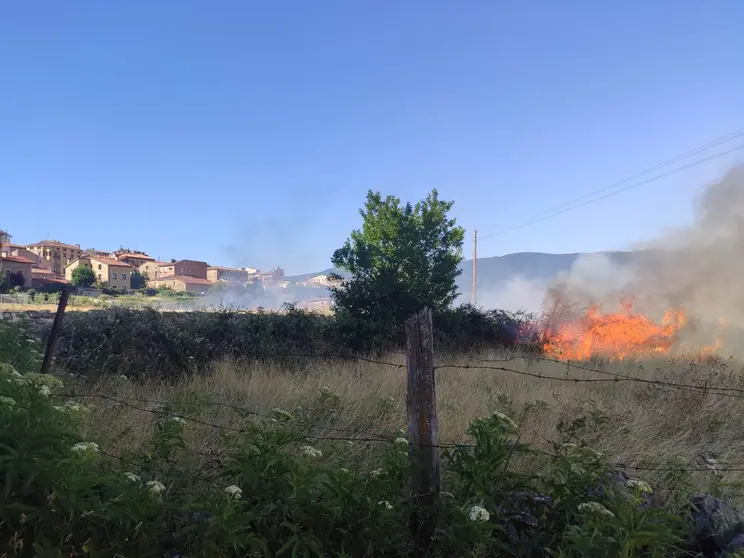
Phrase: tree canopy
(10, 280)
(403, 258)
(83, 276)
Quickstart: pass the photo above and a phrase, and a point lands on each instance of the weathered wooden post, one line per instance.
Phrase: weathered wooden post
(423, 430)
(52, 342)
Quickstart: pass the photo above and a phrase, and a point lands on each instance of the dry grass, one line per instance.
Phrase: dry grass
(634, 423)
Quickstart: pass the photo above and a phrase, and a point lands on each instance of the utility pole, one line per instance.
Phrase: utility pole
(475, 266)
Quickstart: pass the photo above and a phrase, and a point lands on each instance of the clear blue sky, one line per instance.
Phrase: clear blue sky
(248, 133)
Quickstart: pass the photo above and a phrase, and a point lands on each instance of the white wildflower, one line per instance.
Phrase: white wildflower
(71, 407)
(375, 473)
(401, 442)
(176, 420)
(345, 470)
(310, 451)
(9, 370)
(131, 477)
(45, 391)
(234, 491)
(384, 503)
(595, 508)
(281, 414)
(478, 514)
(7, 401)
(85, 447)
(34, 379)
(507, 421)
(155, 486)
(639, 484)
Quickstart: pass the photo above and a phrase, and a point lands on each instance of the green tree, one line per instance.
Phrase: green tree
(403, 258)
(83, 276)
(10, 280)
(137, 280)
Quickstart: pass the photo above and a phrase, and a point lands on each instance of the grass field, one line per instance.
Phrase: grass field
(637, 424)
(311, 457)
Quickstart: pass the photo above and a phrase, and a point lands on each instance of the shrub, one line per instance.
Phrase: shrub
(83, 276)
(276, 491)
(166, 344)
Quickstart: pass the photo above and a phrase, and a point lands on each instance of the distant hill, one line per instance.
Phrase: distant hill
(497, 270)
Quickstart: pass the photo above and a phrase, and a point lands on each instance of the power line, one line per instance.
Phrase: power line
(612, 191)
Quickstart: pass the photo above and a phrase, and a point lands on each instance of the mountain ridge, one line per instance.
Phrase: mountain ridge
(531, 266)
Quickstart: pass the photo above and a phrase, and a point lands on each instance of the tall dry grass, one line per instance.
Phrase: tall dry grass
(638, 424)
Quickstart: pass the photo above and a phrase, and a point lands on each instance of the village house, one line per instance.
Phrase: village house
(229, 274)
(149, 270)
(274, 276)
(181, 283)
(15, 264)
(57, 253)
(132, 257)
(42, 277)
(319, 305)
(108, 271)
(319, 281)
(188, 268)
(10, 249)
(98, 253)
(5, 237)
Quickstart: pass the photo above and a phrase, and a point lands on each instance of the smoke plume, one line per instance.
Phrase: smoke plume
(697, 269)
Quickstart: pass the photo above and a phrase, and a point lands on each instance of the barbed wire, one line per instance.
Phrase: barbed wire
(360, 436)
(716, 390)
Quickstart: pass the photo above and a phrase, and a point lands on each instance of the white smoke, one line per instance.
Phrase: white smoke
(697, 268)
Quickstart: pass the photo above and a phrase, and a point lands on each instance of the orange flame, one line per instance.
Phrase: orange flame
(616, 335)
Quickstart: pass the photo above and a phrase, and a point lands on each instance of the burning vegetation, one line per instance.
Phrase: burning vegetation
(617, 335)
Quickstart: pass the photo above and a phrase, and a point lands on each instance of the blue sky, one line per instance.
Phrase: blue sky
(247, 133)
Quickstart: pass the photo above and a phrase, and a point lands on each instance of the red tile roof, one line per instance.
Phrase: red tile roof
(16, 259)
(184, 278)
(42, 271)
(108, 261)
(54, 243)
(135, 256)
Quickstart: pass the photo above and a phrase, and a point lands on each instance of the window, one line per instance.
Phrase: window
(123, 276)
(99, 276)
(113, 275)
(99, 267)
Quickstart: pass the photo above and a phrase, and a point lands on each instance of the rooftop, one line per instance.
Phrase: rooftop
(108, 261)
(16, 259)
(42, 271)
(137, 256)
(55, 243)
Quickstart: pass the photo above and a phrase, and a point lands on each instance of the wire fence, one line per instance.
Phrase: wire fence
(159, 407)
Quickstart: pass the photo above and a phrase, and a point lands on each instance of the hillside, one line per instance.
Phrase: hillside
(497, 270)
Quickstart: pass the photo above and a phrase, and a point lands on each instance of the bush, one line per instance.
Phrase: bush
(166, 344)
(83, 276)
(275, 491)
(10, 280)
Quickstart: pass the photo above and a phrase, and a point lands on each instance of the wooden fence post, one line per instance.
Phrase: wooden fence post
(423, 429)
(52, 342)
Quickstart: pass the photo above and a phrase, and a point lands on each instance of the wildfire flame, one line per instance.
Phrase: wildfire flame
(617, 335)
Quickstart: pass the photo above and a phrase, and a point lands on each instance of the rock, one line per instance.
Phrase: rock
(717, 525)
(736, 545)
